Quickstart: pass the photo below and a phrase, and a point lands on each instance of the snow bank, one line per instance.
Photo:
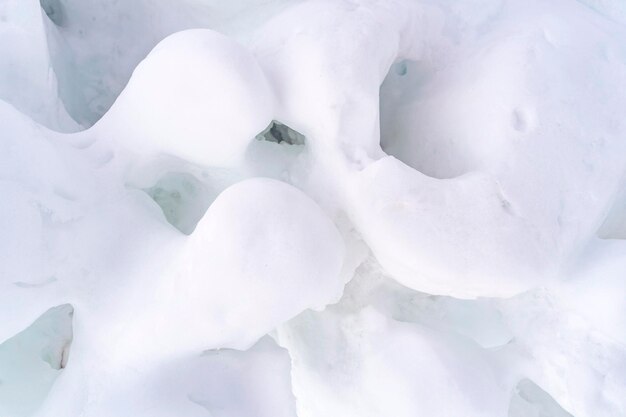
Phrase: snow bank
(388, 207)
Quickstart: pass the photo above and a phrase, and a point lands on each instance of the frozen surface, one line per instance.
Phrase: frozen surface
(27, 79)
(312, 208)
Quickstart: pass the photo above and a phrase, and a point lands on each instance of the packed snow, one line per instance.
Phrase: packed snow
(312, 208)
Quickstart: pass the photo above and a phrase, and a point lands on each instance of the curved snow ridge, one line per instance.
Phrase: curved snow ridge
(445, 243)
(196, 81)
(458, 237)
(532, 142)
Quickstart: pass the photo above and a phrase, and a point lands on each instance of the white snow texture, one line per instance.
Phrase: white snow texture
(313, 208)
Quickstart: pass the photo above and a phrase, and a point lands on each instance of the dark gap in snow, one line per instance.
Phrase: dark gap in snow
(183, 199)
(530, 400)
(401, 68)
(279, 132)
(54, 11)
(275, 151)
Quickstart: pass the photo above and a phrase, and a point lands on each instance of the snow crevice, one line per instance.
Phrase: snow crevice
(279, 133)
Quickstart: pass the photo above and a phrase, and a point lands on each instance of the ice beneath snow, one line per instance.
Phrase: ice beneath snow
(312, 208)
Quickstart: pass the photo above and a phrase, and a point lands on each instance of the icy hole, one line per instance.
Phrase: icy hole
(529, 400)
(279, 133)
(275, 151)
(31, 360)
(183, 198)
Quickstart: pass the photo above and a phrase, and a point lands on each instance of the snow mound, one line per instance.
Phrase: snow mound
(280, 258)
(198, 96)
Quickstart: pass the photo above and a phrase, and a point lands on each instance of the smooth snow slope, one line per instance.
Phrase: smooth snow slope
(445, 238)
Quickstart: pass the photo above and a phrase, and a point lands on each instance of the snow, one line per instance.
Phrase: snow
(26, 78)
(312, 208)
(202, 81)
(32, 359)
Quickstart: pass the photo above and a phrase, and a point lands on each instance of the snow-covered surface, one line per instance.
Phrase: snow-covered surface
(312, 208)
